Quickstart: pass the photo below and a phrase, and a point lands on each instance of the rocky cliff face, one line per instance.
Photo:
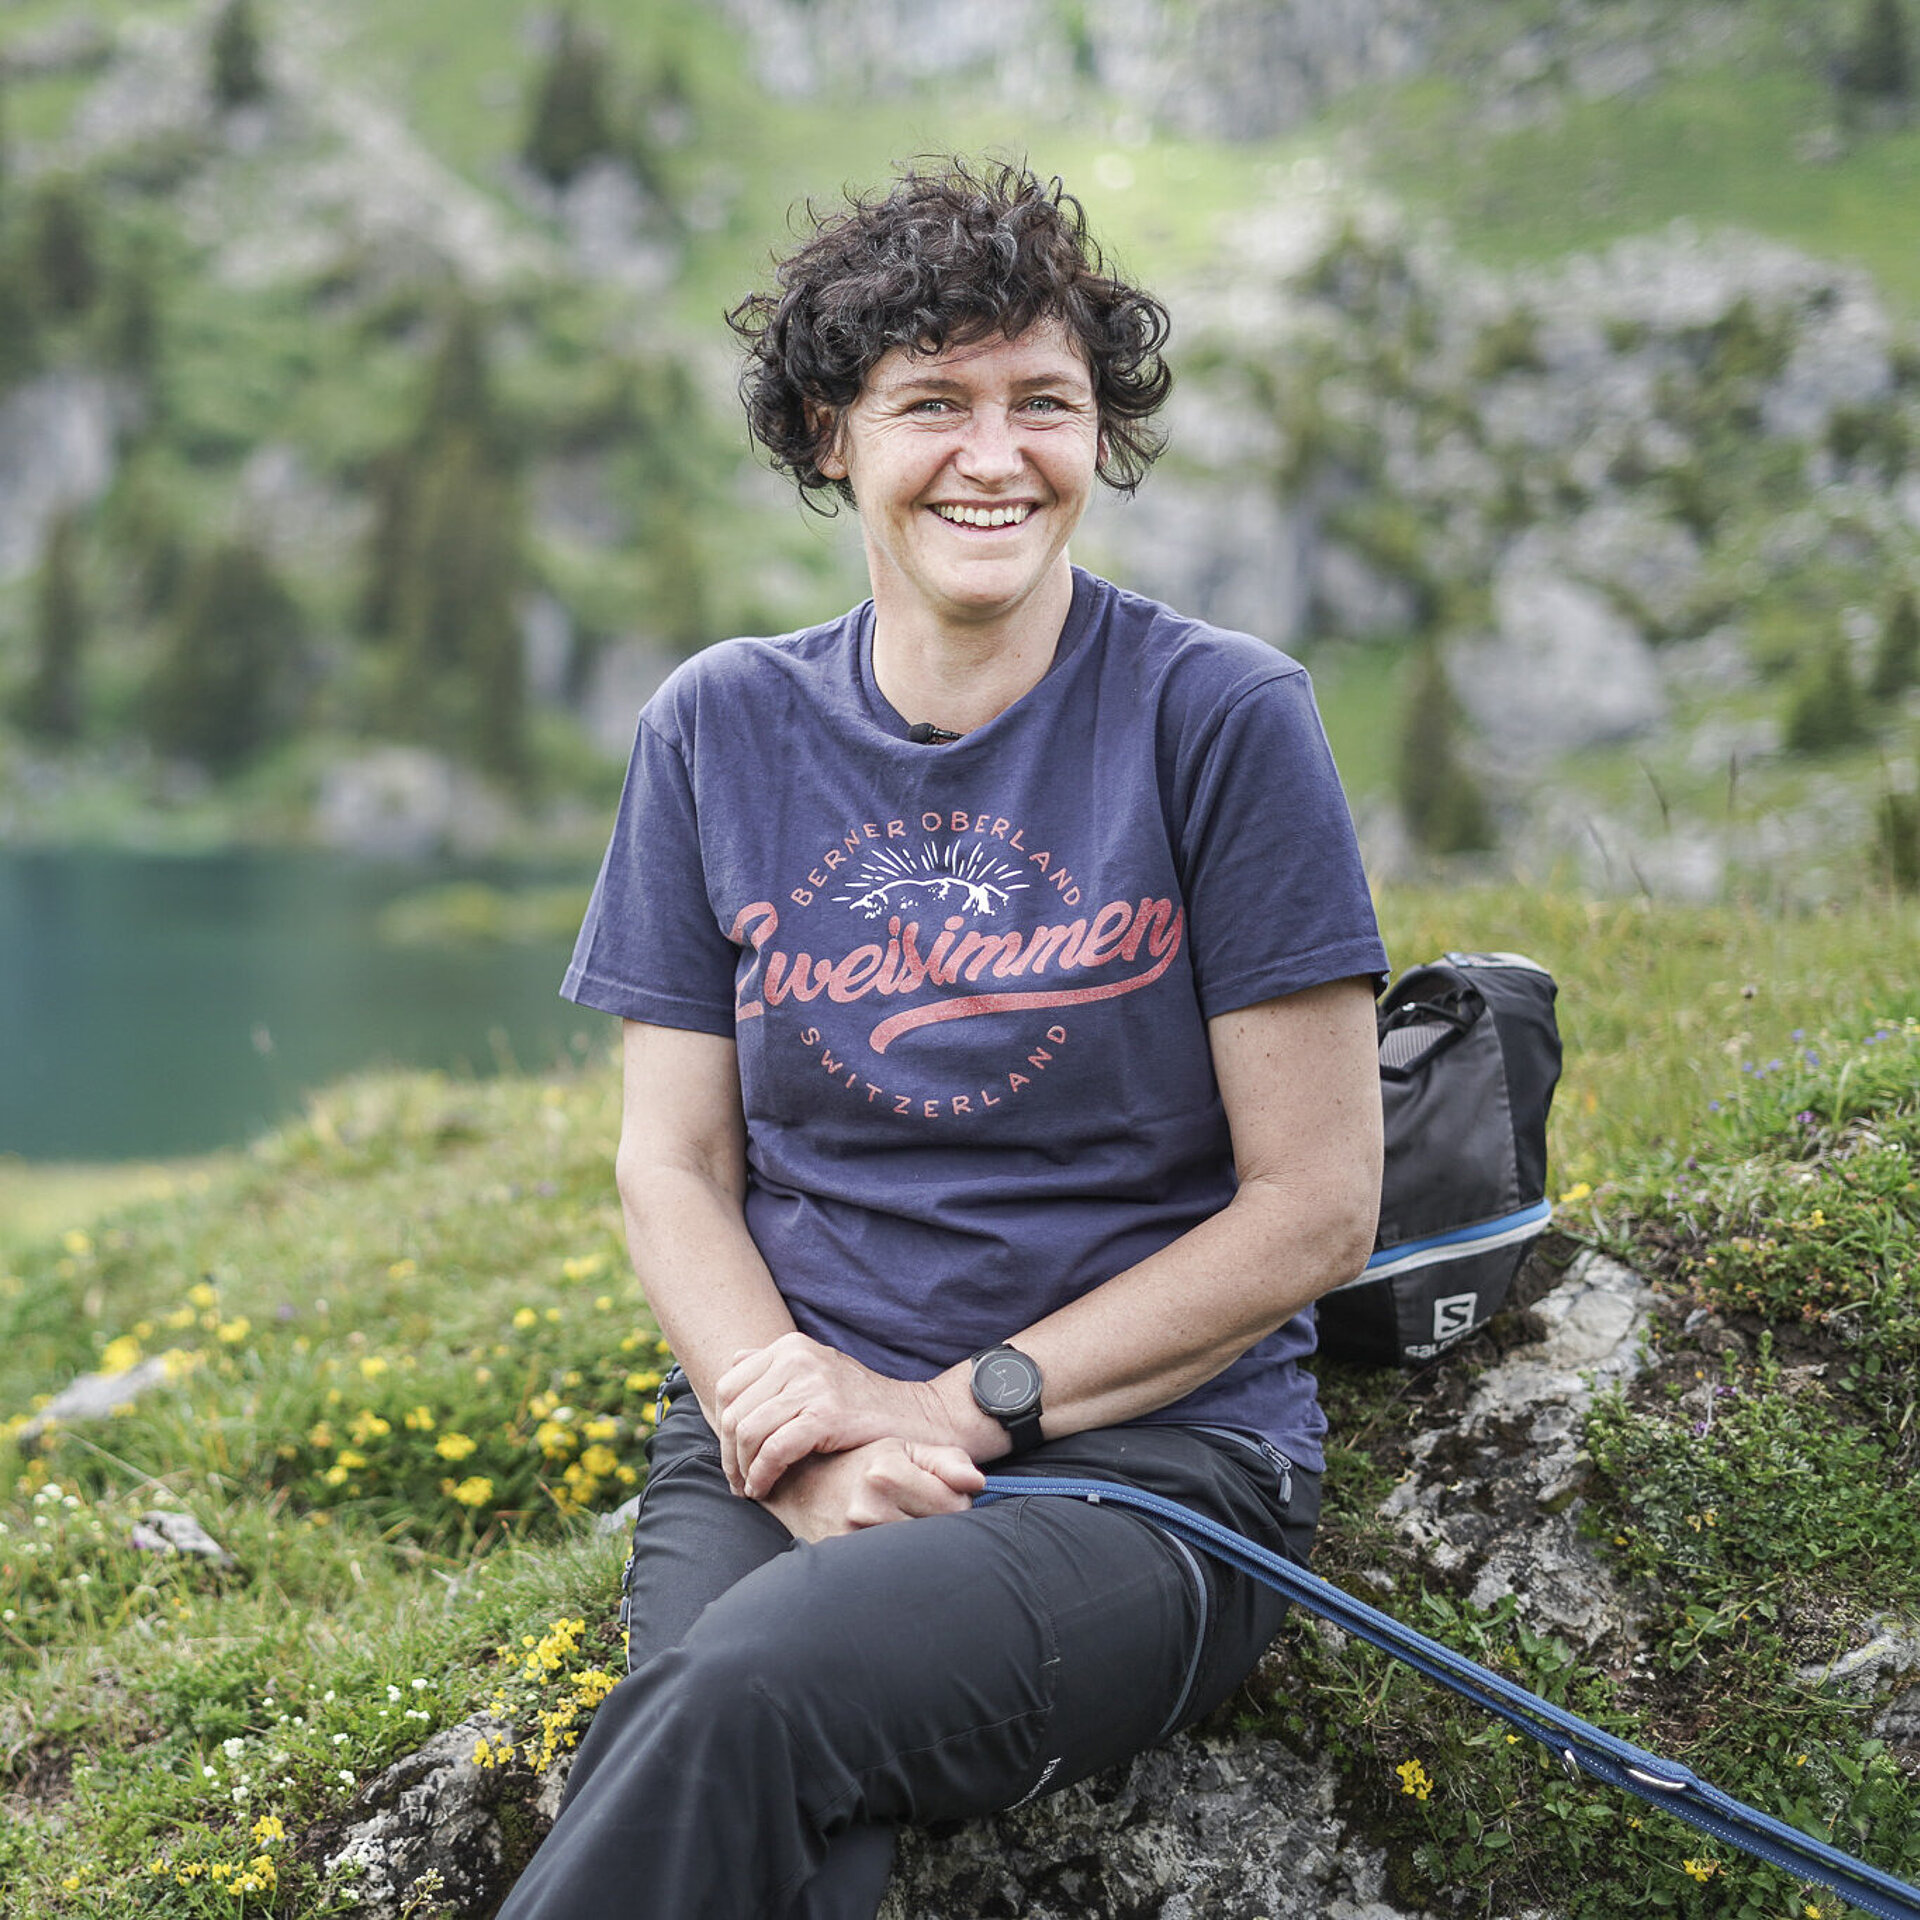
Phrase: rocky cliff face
(1627, 494)
(1239, 68)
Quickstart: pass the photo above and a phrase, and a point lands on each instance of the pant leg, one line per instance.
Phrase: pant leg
(693, 1538)
(924, 1670)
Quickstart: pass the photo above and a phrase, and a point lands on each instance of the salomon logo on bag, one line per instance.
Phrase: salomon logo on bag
(1469, 1057)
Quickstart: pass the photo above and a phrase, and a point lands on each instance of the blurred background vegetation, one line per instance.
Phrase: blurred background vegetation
(1549, 382)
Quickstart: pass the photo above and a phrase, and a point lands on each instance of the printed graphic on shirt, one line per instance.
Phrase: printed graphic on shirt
(944, 917)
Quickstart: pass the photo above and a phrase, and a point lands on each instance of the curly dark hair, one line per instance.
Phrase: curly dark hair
(951, 254)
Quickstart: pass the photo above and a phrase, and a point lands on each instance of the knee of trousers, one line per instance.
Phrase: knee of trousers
(837, 1710)
(792, 1720)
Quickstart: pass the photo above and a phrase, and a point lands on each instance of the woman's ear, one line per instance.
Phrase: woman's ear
(826, 433)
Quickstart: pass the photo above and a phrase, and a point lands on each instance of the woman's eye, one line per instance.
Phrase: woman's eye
(1044, 403)
(931, 406)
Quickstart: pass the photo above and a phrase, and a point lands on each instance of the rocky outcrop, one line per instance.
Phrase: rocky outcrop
(1225, 1829)
(1242, 68)
(430, 1835)
(58, 438)
(1494, 1500)
(405, 803)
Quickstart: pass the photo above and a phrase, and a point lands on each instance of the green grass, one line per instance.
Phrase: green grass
(1361, 691)
(1718, 148)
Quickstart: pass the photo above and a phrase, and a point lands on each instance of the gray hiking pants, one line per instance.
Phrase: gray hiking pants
(788, 1705)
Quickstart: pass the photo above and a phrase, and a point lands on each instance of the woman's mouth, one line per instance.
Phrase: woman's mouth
(973, 516)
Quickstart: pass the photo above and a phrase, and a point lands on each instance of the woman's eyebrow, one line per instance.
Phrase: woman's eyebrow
(941, 383)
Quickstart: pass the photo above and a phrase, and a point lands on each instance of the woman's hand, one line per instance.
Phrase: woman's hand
(869, 1486)
(780, 1403)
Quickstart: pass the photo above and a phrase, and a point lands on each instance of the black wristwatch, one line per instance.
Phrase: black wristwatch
(1006, 1385)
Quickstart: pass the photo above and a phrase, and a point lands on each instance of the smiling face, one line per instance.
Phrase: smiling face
(970, 469)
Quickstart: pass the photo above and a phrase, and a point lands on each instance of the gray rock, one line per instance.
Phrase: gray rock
(1890, 1651)
(1496, 1498)
(94, 1396)
(1563, 669)
(1228, 1829)
(428, 1836)
(1239, 69)
(406, 802)
(57, 446)
(179, 1533)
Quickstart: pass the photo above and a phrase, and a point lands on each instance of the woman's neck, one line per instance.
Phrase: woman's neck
(959, 676)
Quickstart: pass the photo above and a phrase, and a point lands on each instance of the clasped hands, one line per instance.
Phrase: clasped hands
(829, 1446)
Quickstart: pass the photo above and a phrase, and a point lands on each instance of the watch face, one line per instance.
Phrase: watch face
(1006, 1382)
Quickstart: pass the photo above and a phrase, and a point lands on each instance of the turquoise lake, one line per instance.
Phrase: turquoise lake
(152, 1006)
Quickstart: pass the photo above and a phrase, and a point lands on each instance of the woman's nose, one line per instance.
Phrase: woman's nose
(989, 450)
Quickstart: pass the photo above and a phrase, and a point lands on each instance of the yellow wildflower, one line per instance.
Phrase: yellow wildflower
(1414, 1779)
(118, 1355)
(231, 1332)
(1580, 1190)
(367, 1426)
(475, 1491)
(419, 1420)
(455, 1446)
(373, 1365)
(201, 1294)
(525, 1317)
(267, 1830)
(1702, 1870)
(403, 1270)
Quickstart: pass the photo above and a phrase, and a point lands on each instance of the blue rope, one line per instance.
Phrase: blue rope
(1581, 1746)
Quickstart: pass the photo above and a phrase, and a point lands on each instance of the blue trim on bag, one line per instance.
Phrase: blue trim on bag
(1507, 1230)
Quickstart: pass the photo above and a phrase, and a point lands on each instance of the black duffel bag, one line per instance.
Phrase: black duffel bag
(1469, 1056)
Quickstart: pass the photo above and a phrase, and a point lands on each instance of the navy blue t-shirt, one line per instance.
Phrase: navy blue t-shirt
(970, 983)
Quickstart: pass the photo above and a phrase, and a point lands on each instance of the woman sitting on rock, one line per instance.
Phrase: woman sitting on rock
(1000, 1091)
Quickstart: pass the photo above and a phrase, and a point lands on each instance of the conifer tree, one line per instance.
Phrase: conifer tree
(570, 124)
(60, 249)
(234, 57)
(19, 328)
(1440, 800)
(226, 685)
(50, 704)
(1879, 64)
(1897, 840)
(459, 635)
(1824, 713)
(1896, 660)
(130, 324)
(445, 563)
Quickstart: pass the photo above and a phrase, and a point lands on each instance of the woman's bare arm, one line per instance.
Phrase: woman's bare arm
(682, 1175)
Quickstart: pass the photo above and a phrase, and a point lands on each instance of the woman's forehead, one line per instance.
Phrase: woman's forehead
(1046, 350)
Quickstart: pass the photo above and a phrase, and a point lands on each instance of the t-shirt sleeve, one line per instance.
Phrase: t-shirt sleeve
(650, 948)
(1276, 897)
